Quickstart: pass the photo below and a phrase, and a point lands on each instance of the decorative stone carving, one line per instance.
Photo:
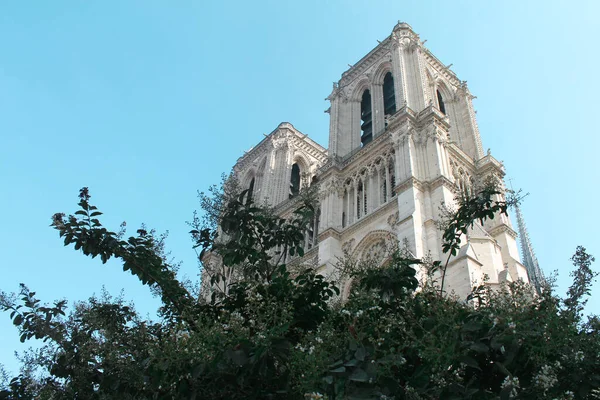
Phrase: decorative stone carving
(393, 219)
(347, 246)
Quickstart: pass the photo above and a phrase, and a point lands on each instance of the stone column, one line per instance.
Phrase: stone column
(355, 134)
(378, 112)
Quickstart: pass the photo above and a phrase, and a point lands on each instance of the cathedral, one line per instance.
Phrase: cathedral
(403, 141)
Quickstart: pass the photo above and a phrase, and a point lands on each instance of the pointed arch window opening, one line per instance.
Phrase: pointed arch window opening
(359, 202)
(250, 191)
(392, 175)
(441, 105)
(389, 97)
(384, 196)
(365, 193)
(295, 181)
(366, 118)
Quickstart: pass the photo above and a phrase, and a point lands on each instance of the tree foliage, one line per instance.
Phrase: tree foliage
(278, 333)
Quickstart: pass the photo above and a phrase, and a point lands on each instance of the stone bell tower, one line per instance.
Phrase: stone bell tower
(403, 140)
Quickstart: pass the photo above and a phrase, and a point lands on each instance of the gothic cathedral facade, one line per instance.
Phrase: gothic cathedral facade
(403, 140)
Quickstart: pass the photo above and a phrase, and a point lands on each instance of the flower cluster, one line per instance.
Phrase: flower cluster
(546, 378)
(513, 384)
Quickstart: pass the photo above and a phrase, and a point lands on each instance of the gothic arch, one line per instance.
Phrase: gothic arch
(260, 176)
(251, 173)
(249, 183)
(347, 288)
(381, 71)
(302, 162)
(304, 165)
(447, 95)
(372, 238)
(361, 86)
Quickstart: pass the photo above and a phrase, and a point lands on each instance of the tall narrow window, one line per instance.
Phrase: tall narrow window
(389, 97)
(383, 187)
(343, 219)
(366, 118)
(250, 191)
(295, 181)
(392, 179)
(441, 104)
(359, 195)
(365, 191)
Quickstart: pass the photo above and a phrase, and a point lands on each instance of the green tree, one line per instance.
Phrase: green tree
(284, 334)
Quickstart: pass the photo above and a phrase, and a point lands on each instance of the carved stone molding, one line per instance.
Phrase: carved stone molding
(503, 229)
(348, 245)
(393, 220)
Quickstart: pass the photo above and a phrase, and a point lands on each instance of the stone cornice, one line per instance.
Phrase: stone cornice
(328, 233)
(286, 207)
(365, 63)
(291, 136)
(441, 181)
(502, 229)
(488, 163)
(459, 155)
(310, 254)
(398, 37)
(440, 67)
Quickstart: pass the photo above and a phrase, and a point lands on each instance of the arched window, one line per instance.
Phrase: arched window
(389, 97)
(366, 118)
(384, 195)
(441, 104)
(314, 180)
(295, 180)
(359, 195)
(250, 191)
(392, 174)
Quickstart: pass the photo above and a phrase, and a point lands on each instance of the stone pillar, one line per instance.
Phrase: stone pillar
(355, 132)
(398, 74)
(406, 48)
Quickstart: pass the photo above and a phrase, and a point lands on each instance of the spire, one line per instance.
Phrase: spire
(536, 278)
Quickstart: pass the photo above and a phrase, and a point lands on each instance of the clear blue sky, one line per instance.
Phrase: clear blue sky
(147, 102)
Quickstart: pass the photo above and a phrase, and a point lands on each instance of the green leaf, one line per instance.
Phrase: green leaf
(479, 347)
(338, 370)
(359, 375)
(471, 362)
(351, 363)
(360, 354)
(472, 326)
(18, 319)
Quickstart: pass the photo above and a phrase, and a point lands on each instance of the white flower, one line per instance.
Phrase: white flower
(513, 383)
(313, 396)
(318, 340)
(545, 379)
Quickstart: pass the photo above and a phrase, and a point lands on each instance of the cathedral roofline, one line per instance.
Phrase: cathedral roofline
(283, 126)
(386, 44)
